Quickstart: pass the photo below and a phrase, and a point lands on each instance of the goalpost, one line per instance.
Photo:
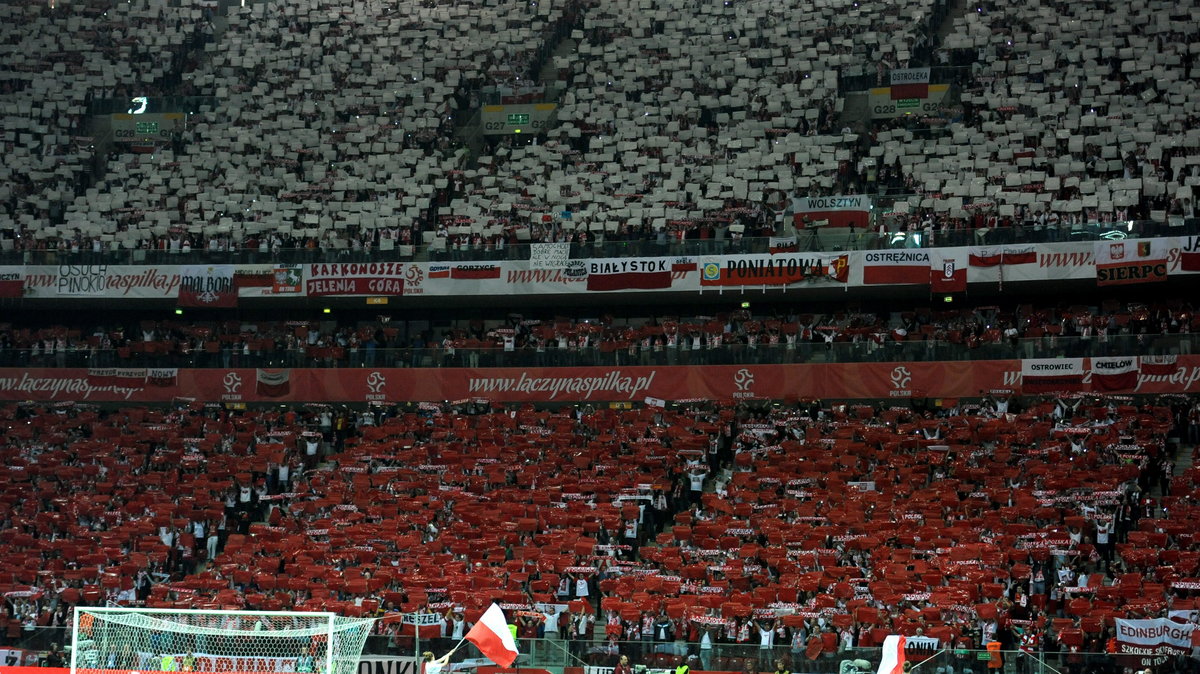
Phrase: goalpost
(229, 642)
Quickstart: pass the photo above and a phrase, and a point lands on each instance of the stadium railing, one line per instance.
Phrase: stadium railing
(893, 235)
(166, 354)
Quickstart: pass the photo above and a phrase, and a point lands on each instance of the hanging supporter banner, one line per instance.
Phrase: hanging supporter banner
(998, 255)
(464, 272)
(773, 270)
(121, 377)
(629, 274)
(909, 83)
(1151, 642)
(784, 244)
(1131, 261)
(12, 284)
(1189, 253)
(838, 211)
(273, 383)
(1114, 374)
(947, 273)
(1047, 375)
(1158, 366)
(355, 278)
(549, 255)
(287, 279)
(896, 267)
(475, 271)
(208, 286)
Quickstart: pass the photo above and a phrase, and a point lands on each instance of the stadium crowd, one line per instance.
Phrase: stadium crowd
(671, 123)
(752, 530)
(1163, 328)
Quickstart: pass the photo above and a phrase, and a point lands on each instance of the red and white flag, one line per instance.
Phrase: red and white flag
(1189, 253)
(896, 267)
(125, 377)
(893, 655)
(947, 274)
(475, 271)
(1020, 255)
(1159, 366)
(1114, 374)
(493, 638)
(162, 376)
(632, 274)
(853, 210)
(12, 284)
(784, 244)
(1046, 375)
(273, 383)
(909, 83)
(1009, 255)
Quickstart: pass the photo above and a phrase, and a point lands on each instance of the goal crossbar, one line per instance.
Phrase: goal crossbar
(341, 639)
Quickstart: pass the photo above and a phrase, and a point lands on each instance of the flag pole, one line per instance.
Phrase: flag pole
(460, 643)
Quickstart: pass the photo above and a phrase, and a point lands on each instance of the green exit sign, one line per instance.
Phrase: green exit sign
(518, 119)
(146, 128)
(907, 103)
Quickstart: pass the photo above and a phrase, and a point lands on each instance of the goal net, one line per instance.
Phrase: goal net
(229, 642)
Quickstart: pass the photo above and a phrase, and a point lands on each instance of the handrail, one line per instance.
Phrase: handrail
(717, 239)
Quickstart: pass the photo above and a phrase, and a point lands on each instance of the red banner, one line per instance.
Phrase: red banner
(567, 384)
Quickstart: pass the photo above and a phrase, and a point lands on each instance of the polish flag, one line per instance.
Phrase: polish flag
(273, 383)
(493, 637)
(1159, 366)
(893, 655)
(1114, 374)
(896, 267)
(1046, 375)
